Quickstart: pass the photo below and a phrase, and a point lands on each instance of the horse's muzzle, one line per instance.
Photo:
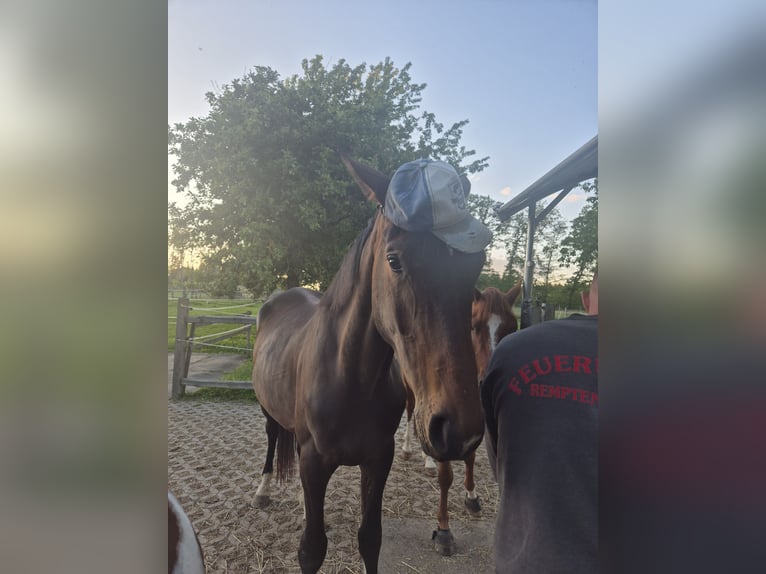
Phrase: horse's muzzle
(448, 444)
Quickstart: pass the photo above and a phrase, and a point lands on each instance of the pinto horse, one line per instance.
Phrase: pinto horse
(322, 366)
(492, 319)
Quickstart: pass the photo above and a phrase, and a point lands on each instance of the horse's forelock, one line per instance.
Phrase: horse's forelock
(494, 302)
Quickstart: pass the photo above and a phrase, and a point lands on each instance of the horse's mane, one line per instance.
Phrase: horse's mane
(345, 279)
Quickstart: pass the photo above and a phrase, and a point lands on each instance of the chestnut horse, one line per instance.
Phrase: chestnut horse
(492, 319)
(321, 366)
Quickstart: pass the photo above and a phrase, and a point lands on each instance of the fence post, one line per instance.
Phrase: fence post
(179, 354)
(189, 350)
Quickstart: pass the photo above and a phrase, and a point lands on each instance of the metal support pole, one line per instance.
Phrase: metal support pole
(529, 267)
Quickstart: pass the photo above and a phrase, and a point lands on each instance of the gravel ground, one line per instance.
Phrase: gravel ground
(215, 455)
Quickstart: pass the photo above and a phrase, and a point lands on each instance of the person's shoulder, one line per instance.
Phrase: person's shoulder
(581, 317)
(575, 319)
(547, 329)
(578, 320)
(533, 332)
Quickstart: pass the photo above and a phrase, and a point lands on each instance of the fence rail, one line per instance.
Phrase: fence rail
(186, 341)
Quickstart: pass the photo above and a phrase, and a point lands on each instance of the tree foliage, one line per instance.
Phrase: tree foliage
(579, 249)
(482, 207)
(549, 235)
(270, 202)
(511, 238)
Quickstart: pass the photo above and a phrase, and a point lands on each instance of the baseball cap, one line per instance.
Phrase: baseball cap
(427, 195)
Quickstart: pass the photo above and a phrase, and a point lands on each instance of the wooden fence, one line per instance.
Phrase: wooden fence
(185, 342)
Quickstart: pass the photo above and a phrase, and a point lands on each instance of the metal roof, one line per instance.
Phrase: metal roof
(578, 167)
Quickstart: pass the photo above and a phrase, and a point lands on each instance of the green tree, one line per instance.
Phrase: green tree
(181, 241)
(547, 244)
(270, 200)
(482, 207)
(548, 233)
(579, 249)
(515, 247)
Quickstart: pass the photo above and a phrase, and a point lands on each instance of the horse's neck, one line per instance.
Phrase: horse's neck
(362, 353)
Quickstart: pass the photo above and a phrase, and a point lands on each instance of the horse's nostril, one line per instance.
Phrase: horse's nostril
(438, 434)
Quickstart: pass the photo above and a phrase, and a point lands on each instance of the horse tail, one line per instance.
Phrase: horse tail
(285, 454)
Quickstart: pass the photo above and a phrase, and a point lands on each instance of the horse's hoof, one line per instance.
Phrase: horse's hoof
(473, 505)
(262, 500)
(444, 542)
(430, 470)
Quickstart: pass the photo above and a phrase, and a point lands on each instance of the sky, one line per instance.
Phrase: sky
(523, 73)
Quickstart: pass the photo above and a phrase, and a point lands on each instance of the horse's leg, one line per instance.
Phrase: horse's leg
(472, 502)
(315, 474)
(301, 497)
(374, 475)
(444, 542)
(407, 443)
(262, 494)
(409, 427)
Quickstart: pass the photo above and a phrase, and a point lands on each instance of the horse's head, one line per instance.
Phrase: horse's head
(422, 291)
(492, 319)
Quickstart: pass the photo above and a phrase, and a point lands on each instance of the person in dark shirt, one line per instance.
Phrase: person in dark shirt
(540, 399)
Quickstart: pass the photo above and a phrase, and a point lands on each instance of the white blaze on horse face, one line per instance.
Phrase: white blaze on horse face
(493, 324)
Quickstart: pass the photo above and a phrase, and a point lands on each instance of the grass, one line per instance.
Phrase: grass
(242, 373)
(208, 307)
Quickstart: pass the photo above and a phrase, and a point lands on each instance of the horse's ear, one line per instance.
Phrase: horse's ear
(373, 183)
(466, 184)
(513, 292)
(476, 294)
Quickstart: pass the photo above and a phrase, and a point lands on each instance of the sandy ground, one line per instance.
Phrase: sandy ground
(215, 454)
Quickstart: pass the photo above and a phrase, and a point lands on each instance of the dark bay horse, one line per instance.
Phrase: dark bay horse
(492, 319)
(184, 550)
(321, 366)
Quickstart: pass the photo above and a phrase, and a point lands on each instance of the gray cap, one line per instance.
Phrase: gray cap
(427, 195)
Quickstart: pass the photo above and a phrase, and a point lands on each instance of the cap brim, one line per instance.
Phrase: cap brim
(468, 235)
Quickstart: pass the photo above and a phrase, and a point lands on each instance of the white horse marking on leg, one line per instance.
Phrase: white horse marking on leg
(263, 487)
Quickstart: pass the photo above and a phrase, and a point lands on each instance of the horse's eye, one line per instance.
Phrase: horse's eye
(394, 262)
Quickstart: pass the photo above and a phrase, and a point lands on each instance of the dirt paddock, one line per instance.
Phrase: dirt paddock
(215, 455)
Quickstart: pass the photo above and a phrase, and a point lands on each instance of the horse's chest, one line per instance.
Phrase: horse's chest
(350, 424)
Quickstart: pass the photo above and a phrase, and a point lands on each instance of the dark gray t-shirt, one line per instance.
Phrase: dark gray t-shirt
(540, 398)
